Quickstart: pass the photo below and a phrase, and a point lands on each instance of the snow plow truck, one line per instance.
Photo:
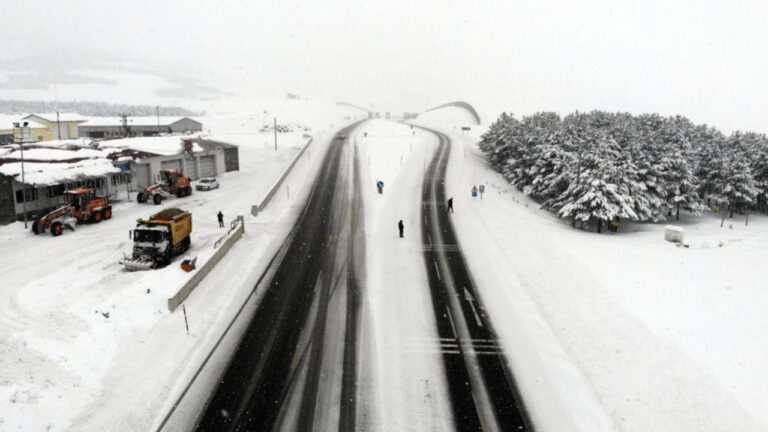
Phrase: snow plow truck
(158, 239)
(82, 206)
(173, 184)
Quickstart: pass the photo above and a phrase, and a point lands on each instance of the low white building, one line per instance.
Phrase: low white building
(114, 127)
(195, 157)
(109, 166)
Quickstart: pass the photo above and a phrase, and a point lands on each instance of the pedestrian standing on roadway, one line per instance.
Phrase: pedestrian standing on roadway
(220, 216)
(450, 204)
(401, 227)
(474, 191)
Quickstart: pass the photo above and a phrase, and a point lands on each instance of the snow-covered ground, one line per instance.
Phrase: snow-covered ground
(408, 375)
(618, 332)
(604, 332)
(86, 345)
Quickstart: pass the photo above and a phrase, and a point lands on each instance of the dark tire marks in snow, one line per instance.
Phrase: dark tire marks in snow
(286, 372)
(482, 389)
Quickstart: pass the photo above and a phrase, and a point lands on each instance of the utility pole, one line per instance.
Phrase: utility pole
(157, 110)
(275, 133)
(124, 118)
(58, 125)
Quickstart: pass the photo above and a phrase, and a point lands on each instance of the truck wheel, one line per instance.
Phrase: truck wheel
(36, 227)
(56, 229)
(96, 217)
(141, 197)
(185, 244)
(157, 199)
(189, 190)
(107, 214)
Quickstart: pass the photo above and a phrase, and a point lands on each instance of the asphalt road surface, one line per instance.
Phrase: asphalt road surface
(296, 366)
(482, 389)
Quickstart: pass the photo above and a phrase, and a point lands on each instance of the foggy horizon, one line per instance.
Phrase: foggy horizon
(698, 60)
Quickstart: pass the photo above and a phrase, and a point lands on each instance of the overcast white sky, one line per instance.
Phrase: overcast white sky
(707, 60)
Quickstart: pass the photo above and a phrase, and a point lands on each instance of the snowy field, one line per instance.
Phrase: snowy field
(618, 332)
(86, 345)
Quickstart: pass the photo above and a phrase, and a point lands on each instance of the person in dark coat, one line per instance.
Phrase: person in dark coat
(401, 227)
(221, 219)
(450, 204)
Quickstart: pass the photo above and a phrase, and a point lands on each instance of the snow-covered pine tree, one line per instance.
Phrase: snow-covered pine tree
(600, 192)
(737, 186)
(552, 171)
(760, 173)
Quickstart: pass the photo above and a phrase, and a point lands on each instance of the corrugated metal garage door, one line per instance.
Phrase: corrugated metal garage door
(171, 164)
(189, 168)
(142, 176)
(208, 166)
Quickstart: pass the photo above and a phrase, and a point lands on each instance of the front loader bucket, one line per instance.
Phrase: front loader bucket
(137, 264)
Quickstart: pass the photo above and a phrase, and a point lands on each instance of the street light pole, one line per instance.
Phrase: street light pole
(21, 129)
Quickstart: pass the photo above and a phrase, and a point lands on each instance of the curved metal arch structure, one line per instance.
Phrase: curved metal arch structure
(347, 104)
(459, 104)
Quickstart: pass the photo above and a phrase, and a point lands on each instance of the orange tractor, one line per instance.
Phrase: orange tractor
(82, 206)
(174, 183)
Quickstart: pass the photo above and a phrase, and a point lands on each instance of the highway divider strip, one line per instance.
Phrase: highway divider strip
(235, 234)
(256, 208)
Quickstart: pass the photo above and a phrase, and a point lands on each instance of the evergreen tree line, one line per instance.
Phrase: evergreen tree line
(87, 108)
(602, 167)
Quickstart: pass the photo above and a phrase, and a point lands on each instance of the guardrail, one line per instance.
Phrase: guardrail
(223, 244)
(271, 192)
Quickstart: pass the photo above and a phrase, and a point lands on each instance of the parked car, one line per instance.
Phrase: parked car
(341, 135)
(206, 184)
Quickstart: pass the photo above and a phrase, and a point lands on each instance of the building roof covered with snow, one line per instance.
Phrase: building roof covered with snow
(135, 121)
(157, 145)
(48, 118)
(46, 173)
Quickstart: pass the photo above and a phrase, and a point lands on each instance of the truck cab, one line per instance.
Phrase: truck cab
(158, 239)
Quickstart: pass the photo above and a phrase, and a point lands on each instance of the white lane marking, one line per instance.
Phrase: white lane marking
(450, 318)
(471, 300)
(437, 270)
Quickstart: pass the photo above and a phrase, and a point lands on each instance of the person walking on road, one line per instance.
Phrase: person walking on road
(220, 216)
(474, 191)
(450, 204)
(401, 227)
